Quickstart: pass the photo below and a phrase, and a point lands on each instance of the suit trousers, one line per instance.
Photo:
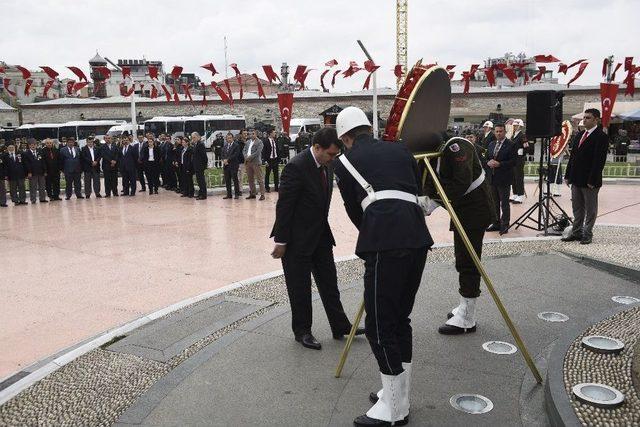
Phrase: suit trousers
(391, 281)
(143, 185)
(52, 183)
(297, 273)
(242, 172)
(584, 201)
(202, 183)
(3, 191)
(91, 179)
(152, 172)
(187, 184)
(37, 188)
(73, 184)
(518, 177)
(272, 166)
(128, 183)
(231, 174)
(111, 182)
(501, 200)
(468, 274)
(254, 171)
(18, 193)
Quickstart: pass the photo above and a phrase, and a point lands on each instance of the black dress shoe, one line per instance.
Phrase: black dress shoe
(505, 231)
(373, 397)
(268, 190)
(4, 205)
(493, 227)
(454, 330)
(585, 241)
(226, 197)
(44, 201)
(308, 341)
(571, 238)
(363, 420)
(251, 196)
(115, 195)
(201, 198)
(236, 196)
(184, 195)
(79, 197)
(99, 196)
(339, 336)
(449, 315)
(261, 197)
(143, 190)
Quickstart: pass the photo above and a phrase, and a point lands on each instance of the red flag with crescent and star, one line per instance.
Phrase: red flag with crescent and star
(26, 74)
(47, 87)
(285, 104)
(78, 72)
(221, 93)
(271, 75)
(50, 72)
(260, 89)
(608, 94)
(5, 84)
(211, 68)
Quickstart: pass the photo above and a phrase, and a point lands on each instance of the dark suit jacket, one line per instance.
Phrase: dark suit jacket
(34, 164)
(587, 161)
(386, 224)
(108, 153)
(69, 163)
(231, 153)
(85, 159)
(15, 169)
(3, 166)
(502, 175)
(156, 155)
(303, 207)
(186, 160)
(485, 141)
(266, 149)
(200, 158)
(129, 161)
(518, 143)
(51, 158)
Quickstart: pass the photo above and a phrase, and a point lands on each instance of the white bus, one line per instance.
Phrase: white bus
(38, 131)
(209, 126)
(82, 129)
(172, 126)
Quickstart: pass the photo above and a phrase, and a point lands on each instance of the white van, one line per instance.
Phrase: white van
(38, 131)
(306, 125)
(118, 130)
(209, 126)
(81, 129)
(172, 126)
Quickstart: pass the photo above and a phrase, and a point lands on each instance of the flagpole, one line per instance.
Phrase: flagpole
(374, 107)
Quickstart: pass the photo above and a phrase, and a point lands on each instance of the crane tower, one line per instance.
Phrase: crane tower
(401, 38)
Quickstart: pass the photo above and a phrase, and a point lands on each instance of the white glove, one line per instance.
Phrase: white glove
(427, 205)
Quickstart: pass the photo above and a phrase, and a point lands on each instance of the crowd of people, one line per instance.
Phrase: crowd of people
(144, 162)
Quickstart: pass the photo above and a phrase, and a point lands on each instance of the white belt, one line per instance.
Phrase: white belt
(373, 195)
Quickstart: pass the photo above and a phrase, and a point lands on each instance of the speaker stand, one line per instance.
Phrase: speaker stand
(540, 216)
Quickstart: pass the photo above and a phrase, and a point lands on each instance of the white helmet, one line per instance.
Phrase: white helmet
(488, 123)
(518, 122)
(350, 118)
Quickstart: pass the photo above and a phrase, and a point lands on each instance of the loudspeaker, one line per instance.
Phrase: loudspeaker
(544, 113)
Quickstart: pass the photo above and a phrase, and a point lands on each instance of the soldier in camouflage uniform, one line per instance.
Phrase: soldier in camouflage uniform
(463, 178)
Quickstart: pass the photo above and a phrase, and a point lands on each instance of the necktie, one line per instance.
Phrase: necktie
(497, 149)
(584, 136)
(13, 157)
(273, 150)
(323, 177)
(73, 153)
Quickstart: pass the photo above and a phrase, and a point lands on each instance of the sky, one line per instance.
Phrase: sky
(59, 33)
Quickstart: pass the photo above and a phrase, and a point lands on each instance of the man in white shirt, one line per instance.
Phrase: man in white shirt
(253, 164)
(271, 155)
(90, 160)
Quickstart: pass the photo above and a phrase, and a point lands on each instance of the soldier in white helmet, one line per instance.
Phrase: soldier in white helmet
(487, 135)
(379, 183)
(518, 139)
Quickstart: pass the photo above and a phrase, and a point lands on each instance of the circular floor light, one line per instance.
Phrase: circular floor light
(552, 316)
(602, 344)
(471, 403)
(599, 395)
(620, 299)
(499, 347)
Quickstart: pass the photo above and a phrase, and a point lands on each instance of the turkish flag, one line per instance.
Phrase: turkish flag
(50, 72)
(466, 76)
(70, 84)
(491, 77)
(154, 92)
(397, 71)
(167, 94)
(211, 68)
(78, 72)
(331, 63)
(26, 74)
(608, 93)
(175, 73)
(285, 104)
(541, 70)
(333, 79)
(370, 66)
(508, 72)
(176, 98)
(324, 73)
(235, 68)
(5, 84)
(153, 72)
(186, 88)
(103, 71)
(27, 86)
(300, 69)
(221, 93)
(126, 72)
(47, 86)
(583, 66)
(628, 63)
(80, 85)
(615, 70)
(271, 75)
(226, 83)
(260, 90)
(546, 58)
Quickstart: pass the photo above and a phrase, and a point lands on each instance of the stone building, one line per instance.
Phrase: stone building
(8, 115)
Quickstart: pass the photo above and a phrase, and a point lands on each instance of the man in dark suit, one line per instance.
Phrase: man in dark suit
(393, 241)
(15, 174)
(271, 155)
(151, 163)
(501, 157)
(584, 175)
(517, 186)
(109, 155)
(200, 161)
(128, 167)
(35, 169)
(70, 158)
(3, 178)
(90, 160)
(139, 145)
(303, 238)
(51, 157)
(186, 169)
(230, 154)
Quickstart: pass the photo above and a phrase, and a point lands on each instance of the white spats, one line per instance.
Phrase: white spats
(393, 405)
(464, 315)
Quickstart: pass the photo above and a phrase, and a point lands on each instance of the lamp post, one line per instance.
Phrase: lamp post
(374, 106)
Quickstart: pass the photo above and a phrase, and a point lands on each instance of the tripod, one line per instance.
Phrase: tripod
(540, 214)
